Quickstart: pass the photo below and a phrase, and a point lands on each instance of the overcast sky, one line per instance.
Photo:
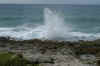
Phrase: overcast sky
(51, 1)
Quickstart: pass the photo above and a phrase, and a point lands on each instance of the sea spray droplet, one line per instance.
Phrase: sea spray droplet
(55, 24)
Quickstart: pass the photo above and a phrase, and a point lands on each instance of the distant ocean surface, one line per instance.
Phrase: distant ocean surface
(54, 22)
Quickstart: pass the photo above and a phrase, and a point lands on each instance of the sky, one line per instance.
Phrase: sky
(50, 1)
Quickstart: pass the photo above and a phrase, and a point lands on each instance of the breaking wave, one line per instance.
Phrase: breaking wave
(54, 28)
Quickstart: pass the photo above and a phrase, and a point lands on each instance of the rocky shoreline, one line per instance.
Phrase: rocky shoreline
(54, 53)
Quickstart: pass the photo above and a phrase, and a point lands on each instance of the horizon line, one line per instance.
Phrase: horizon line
(43, 4)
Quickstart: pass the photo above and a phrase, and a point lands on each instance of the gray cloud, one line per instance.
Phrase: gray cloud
(52, 1)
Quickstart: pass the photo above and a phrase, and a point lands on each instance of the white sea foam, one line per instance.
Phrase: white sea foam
(54, 28)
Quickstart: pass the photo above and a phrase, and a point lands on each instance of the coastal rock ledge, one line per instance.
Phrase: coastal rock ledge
(43, 52)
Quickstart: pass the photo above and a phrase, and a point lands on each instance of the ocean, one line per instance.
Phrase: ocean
(54, 22)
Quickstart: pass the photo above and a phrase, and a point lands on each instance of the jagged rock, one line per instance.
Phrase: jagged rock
(58, 59)
(46, 53)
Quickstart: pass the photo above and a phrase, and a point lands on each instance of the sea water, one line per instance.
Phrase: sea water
(54, 22)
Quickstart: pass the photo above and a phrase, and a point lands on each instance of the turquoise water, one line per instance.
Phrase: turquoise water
(63, 22)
